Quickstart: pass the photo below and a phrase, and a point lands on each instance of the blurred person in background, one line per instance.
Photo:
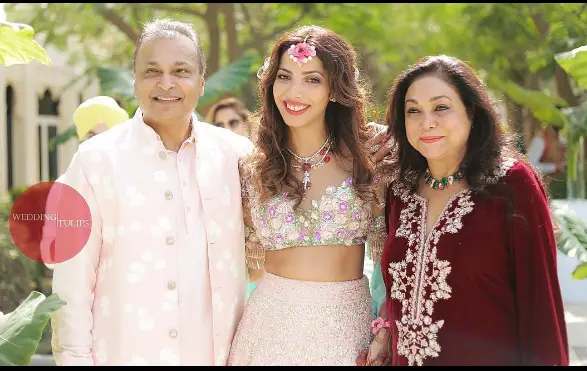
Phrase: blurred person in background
(230, 113)
(546, 152)
(96, 115)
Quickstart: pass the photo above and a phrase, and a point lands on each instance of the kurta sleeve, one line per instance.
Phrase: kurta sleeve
(74, 281)
(542, 328)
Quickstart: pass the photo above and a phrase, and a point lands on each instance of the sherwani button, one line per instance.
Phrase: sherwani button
(162, 155)
(170, 240)
(168, 195)
(173, 333)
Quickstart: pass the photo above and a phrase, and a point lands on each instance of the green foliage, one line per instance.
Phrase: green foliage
(14, 193)
(574, 63)
(17, 45)
(571, 235)
(228, 79)
(542, 106)
(577, 128)
(22, 329)
(580, 273)
(17, 272)
(62, 137)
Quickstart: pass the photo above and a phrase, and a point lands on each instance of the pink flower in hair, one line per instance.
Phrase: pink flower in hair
(301, 53)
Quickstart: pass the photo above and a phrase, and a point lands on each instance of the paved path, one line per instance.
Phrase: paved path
(576, 317)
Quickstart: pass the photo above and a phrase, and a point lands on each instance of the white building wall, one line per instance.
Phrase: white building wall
(29, 82)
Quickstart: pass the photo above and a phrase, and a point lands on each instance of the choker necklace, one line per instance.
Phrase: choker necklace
(306, 163)
(444, 182)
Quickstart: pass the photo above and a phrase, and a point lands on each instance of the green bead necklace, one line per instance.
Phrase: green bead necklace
(444, 182)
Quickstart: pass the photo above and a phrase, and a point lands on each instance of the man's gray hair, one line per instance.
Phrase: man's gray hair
(168, 29)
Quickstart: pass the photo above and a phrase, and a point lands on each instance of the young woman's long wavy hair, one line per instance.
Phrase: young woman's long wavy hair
(488, 141)
(270, 165)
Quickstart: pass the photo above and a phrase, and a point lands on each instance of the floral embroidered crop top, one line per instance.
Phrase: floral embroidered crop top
(339, 217)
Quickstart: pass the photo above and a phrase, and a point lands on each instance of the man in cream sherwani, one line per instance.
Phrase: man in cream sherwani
(161, 280)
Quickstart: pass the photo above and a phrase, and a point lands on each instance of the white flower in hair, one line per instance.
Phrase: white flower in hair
(264, 68)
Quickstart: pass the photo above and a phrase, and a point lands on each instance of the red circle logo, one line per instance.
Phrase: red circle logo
(50, 222)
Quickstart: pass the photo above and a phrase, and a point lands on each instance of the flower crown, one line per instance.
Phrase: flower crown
(299, 53)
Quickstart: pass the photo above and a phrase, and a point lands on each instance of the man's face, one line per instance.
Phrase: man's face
(168, 83)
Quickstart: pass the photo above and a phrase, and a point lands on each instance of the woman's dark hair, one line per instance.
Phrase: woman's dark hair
(345, 118)
(488, 140)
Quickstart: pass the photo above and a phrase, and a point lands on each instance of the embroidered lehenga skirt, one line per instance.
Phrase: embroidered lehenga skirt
(290, 322)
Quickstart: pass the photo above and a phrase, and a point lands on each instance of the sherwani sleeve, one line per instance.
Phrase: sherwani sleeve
(542, 328)
(74, 281)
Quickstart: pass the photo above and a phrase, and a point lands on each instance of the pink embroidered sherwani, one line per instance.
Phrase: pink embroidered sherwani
(161, 280)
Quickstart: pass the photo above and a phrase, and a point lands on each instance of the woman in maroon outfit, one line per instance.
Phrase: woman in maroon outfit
(470, 261)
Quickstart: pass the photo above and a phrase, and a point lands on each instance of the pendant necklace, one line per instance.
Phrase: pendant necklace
(305, 164)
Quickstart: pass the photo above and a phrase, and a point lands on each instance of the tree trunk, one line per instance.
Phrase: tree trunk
(213, 57)
(234, 49)
(531, 123)
(111, 17)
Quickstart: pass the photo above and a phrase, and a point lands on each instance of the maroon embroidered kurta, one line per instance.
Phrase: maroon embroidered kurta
(482, 289)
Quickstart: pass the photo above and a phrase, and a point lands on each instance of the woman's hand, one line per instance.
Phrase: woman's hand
(376, 354)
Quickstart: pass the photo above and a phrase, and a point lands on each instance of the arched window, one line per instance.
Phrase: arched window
(47, 130)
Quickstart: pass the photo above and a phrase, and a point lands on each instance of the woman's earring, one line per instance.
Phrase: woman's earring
(332, 100)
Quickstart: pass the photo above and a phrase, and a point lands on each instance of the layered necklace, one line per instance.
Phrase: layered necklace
(444, 182)
(318, 159)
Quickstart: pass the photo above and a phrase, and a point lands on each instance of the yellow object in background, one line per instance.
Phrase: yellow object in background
(96, 110)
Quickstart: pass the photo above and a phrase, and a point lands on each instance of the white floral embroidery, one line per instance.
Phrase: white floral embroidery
(420, 280)
(225, 196)
(160, 176)
(217, 302)
(134, 197)
(146, 322)
(137, 270)
(135, 226)
(101, 354)
(105, 306)
(170, 356)
(160, 265)
(95, 157)
(137, 361)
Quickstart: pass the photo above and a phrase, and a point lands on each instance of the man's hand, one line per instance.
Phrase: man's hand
(380, 143)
